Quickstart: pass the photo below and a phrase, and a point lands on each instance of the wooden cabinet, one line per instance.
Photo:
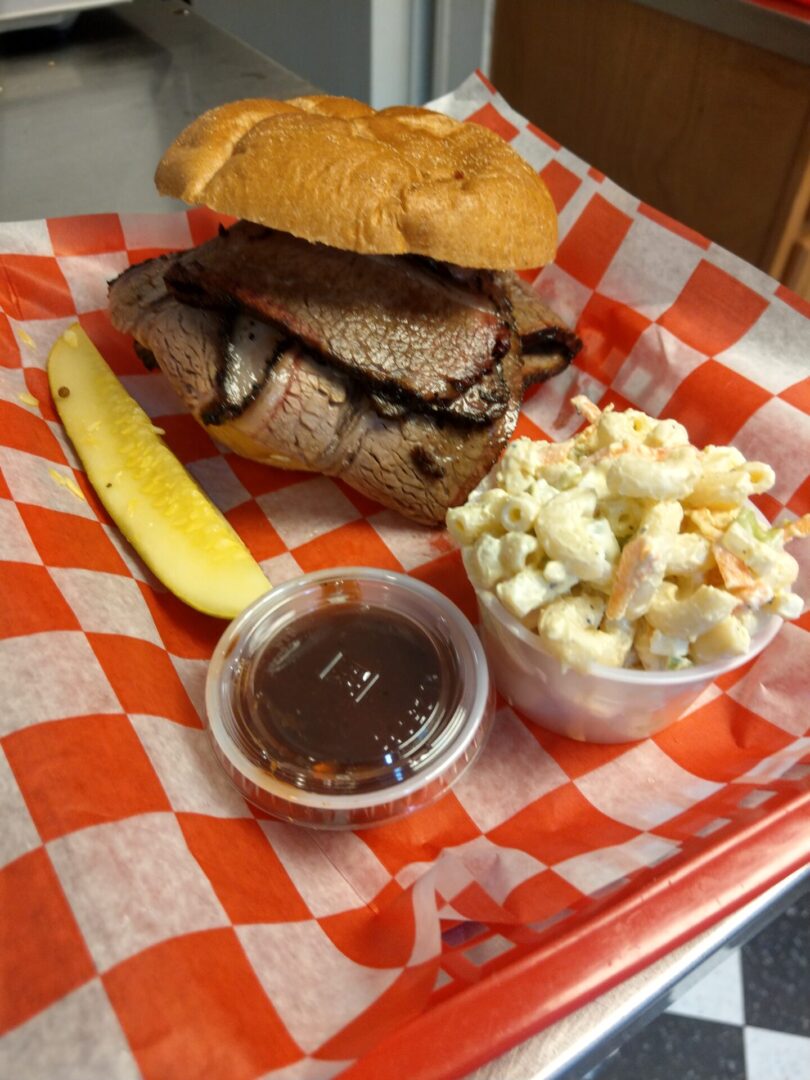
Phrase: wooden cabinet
(713, 130)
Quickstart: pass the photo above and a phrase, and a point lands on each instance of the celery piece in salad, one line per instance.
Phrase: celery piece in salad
(749, 521)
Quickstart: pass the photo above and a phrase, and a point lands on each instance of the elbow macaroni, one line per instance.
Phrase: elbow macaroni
(626, 545)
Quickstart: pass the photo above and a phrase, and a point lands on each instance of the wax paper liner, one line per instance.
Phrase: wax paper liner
(153, 924)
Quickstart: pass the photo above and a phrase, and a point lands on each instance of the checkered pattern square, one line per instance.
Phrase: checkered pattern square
(140, 888)
(132, 883)
(738, 398)
(561, 183)
(92, 234)
(33, 287)
(244, 870)
(40, 936)
(713, 310)
(614, 788)
(76, 684)
(716, 750)
(322, 885)
(31, 1050)
(275, 949)
(606, 227)
(180, 757)
(19, 834)
(66, 789)
(587, 828)
(106, 603)
(498, 790)
(649, 248)
(143, 678)
(193, 1006)
(609, 332)
(562, 292)
(61, 540)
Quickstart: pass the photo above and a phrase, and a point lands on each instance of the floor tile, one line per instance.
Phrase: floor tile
(747, 1019)
(776, 973)
(718, 996)
(775, 1055)
(679, 1048)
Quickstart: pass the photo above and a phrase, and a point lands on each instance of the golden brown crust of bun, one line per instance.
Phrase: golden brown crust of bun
(334, 171)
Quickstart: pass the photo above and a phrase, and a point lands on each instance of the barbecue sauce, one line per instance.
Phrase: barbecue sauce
(344, 697)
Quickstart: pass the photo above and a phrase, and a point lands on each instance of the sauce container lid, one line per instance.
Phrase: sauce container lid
(348, 697)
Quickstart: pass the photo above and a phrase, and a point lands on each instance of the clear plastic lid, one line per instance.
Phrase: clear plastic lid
(348, 697)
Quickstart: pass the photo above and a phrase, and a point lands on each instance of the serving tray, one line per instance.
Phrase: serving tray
(165, 928)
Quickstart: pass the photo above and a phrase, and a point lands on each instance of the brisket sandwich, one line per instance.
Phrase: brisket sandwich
(362, 318)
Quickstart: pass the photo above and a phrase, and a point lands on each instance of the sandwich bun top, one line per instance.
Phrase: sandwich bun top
(398, 181)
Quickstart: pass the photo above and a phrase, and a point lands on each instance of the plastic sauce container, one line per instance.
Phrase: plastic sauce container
(604, 704)
(348, 697)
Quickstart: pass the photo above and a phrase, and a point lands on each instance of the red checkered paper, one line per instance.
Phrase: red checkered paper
(154, 924)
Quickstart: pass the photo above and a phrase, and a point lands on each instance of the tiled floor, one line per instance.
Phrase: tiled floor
(748, 1019)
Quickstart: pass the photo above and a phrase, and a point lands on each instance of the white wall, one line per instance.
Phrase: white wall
(461, 42)
(400, 55)
(327, 42)
(386, 52)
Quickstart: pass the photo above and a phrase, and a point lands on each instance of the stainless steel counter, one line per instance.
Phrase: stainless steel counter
(86, 113)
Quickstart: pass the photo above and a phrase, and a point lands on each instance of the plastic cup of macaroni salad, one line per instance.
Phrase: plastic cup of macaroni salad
(603, 704)
(620, 572)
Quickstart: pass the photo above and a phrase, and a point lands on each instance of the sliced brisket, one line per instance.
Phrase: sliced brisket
(401, 376)
(401, 330)
(309, 415)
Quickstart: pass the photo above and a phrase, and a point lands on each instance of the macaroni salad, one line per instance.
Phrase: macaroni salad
(628, 546)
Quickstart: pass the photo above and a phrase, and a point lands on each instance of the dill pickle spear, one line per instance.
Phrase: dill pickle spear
(175, 528)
